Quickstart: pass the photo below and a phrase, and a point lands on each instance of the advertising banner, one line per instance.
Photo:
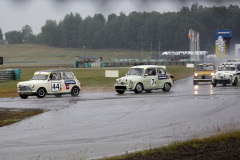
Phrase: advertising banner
(222, 43)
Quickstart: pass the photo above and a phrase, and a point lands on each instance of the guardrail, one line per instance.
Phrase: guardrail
(170, 63)
(10, 74)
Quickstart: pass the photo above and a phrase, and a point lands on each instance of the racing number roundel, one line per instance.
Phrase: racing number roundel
(56, 86)
(153, 82)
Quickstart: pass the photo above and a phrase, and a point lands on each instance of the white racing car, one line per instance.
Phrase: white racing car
(227, 73)
(145, 77)
(55, 82)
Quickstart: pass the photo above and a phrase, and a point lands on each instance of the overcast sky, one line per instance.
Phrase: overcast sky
(14, 14)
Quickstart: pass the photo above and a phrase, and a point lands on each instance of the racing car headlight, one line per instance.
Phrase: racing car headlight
(131, 82)
(196, 74)
(116, 82)
(212, 74)
(31, 85)
(18, 85)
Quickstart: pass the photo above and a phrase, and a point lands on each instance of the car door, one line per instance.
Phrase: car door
(150, 79)
(56, 83)
(161, 77)
(68, 81)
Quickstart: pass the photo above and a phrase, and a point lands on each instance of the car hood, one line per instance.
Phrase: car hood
(224, 74)
(29, 82)
(128, 78)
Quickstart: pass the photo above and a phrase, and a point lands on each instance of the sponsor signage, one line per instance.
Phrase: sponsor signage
(222, 43)
(67, 82)
(223, 34)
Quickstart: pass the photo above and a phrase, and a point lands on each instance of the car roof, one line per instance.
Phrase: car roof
(55, 70)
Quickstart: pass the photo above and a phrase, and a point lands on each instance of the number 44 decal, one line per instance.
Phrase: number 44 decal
(56, 86)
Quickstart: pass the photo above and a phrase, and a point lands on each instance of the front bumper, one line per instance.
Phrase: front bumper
(203, 80)
(222, 81)
(123, 87)
(26, 93)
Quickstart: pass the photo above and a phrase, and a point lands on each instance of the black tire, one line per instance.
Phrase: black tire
(23, 96)
(214, 84)
(148, 91)
(138, 88)
(120, 91)
(41, 92)
(58, 95)
(235, 82)
(75, 91)
(166, 87)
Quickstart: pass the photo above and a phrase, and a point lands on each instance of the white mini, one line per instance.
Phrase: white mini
(52, 82)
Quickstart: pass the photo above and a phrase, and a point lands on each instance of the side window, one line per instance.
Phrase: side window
(150, 72)
(161, 71)
(67, 75)
(55, 76)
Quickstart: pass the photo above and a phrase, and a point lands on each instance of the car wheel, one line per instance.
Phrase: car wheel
(23, 96)
(41, 93)
(58, 95)
(75, 91)
(138, 88)
(120, 91)
(167, 87)
(235, 82)
(214, 84)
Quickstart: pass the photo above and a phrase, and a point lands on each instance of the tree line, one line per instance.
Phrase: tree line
(136, 31)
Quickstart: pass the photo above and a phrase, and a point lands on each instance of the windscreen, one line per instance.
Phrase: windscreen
(40, 76)
(228, 68)
(135, 71)
(205, 68)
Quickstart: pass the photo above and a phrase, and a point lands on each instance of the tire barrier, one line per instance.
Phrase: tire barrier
(10, 74)
(87, 65)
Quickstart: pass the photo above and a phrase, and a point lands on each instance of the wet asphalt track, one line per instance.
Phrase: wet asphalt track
(101, 124)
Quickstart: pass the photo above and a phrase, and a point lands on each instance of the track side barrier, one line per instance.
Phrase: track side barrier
(10, 74)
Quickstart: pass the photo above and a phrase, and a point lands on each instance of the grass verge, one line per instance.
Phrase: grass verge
(10, 116)
(221, 147)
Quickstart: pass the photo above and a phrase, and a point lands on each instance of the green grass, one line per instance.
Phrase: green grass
(38, 53)
(191, 149)
(8, 116)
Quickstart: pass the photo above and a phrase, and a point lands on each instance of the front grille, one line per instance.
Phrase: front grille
(204, 77)
(120, 87)
(25, 88)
